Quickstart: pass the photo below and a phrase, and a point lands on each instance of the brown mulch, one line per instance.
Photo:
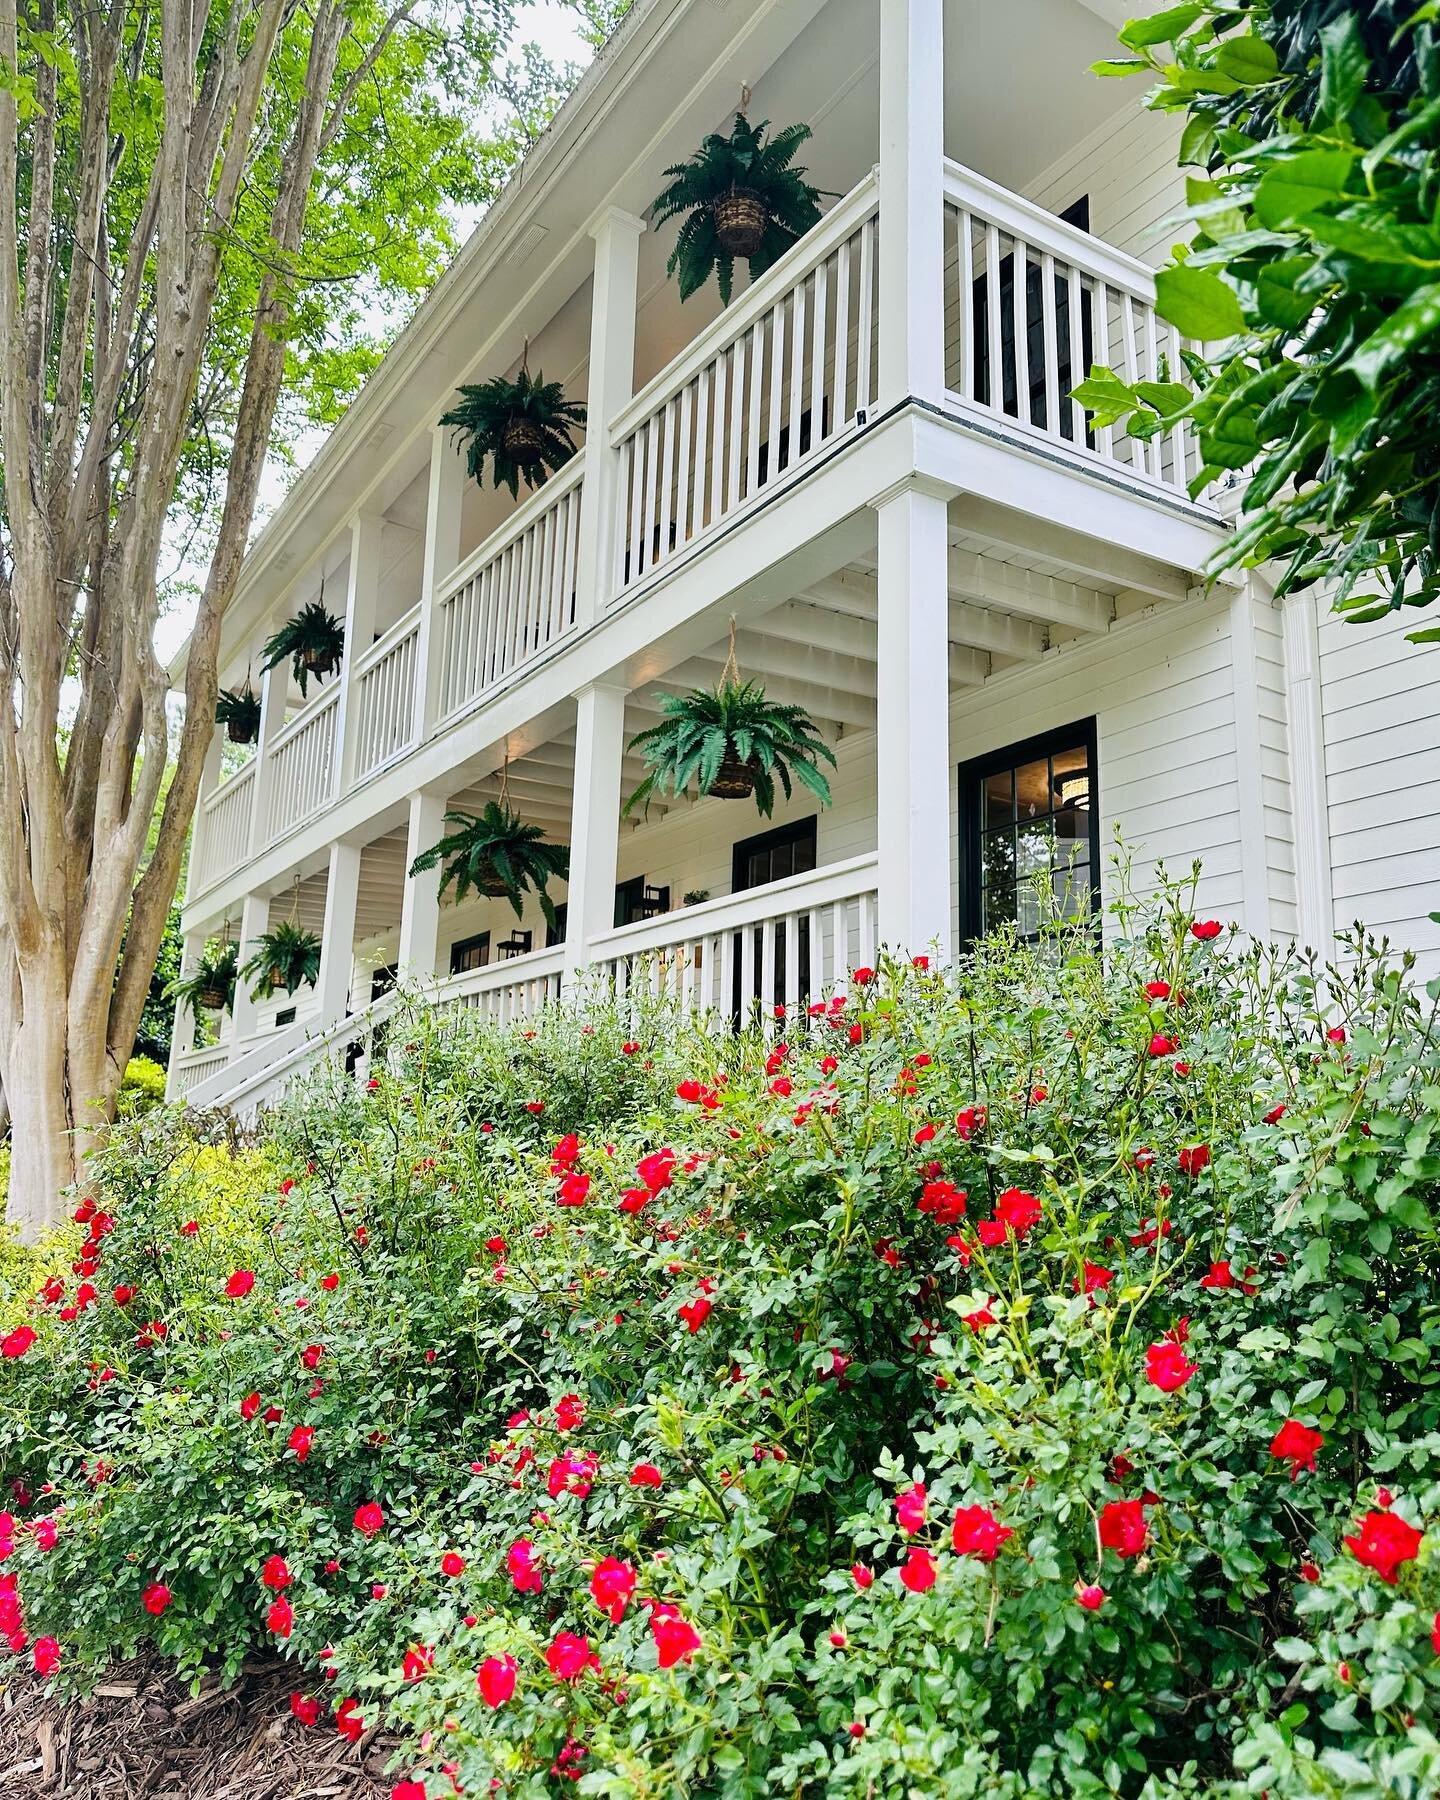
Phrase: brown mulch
(142, 1733)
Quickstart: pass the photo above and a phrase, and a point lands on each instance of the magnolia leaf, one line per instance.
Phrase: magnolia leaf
(1200, 305)
(1414, 319)
(1249, 60)
(1159, 28)
(1300, 184)
(1343, 67)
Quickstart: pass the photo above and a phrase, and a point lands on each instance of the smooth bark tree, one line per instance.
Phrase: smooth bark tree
(202, 203)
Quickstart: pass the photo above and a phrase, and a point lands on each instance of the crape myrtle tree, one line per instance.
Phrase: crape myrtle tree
(1310, 277)
(204, 208)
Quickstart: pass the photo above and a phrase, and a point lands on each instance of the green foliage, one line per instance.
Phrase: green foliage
(143, 1087)
(1314, 261)
(776, 1279)
(497, 853)
(746, 162)
(731, 733)
(216, 972)
(522, 427)
(284, 957)
(157, 1021)
(314, 641)
(238, 710)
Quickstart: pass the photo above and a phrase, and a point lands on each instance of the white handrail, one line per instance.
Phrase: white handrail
(531, 508)
(307, 715)
(386, 642)
(757, 300)
(227, 788)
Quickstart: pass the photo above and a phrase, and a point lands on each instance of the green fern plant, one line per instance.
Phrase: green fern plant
(210, 987)
(732, 741)
(238, 710)
(497, 853)
(742, 198)
(283, 958)
(522, 427)
(314, 640)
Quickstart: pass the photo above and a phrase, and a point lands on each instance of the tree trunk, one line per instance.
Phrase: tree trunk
(42, 1144)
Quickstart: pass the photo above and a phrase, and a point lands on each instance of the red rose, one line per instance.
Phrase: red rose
(1206, 929)
(570, 1655)
(1123, 1528)
(1296, 1444)
(275, 1574)
(495, 1678)
(369, 1519)
(418, 1661)
(1160, 1045)
(646, 1475)
(1093, 1279)
(918, 1571)
(123, 1295)
(239, 1284)
(279, 1617)
(249, 1406)
(155, 1598)
(305, 1708)
(1167, 1367)
(524, 1570)
(408, 1790)
(696, 1313)
(301, 1438)
(676, 1640)
(977, 1532)
(1089, 1596)
(862, 1576)
(452, 1563)
(910, 1508)
(569, 1412)
(1383, 1542)
(611, 1587)
(1194, 1159)
(45, 1656)
(12, 1347)
(311, 1354)
(348, 1721)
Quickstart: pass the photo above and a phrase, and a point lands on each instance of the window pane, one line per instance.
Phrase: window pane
(1032, 789)
(1072, 890)
(997, 907)
(997, 857)
(1034, 851)
(999, 799)
(1072, 794)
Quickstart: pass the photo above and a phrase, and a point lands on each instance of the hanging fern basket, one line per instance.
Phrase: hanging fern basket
(741, 220)
(214, 998)
(735, 780)
(523, 439)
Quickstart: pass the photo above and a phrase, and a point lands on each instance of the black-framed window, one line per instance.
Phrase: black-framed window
(1030, 833)
(470, 953)
(636, 899)
(773, 855)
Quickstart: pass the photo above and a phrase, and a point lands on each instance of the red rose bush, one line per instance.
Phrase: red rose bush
(1014, 1379)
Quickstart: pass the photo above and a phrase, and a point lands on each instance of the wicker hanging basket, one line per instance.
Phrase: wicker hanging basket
(317, 661)
(239, 731)
(734, 780)
(523, 439)
(741, 218)
(213, 999)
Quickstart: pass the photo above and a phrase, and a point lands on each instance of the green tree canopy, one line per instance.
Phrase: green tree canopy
(1312, 274)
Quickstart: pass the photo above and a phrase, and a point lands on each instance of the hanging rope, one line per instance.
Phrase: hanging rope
(730, 674)
(505, 783)
(295, 902)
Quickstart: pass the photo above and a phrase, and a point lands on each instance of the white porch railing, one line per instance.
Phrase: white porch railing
(225, 826)
(195, 1066)
(779, 946)
(515, 596)
(386, 679)
(1030, 304)
(758, 394)
(300, 765)
(506, 990)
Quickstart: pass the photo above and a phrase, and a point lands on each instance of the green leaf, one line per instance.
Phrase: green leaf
(1276, 296)
(1249, 60)
(1130, 65)
(1159, 28)
(1413, 320)
(1343, 67)
(1200, 305)
(1300, 184)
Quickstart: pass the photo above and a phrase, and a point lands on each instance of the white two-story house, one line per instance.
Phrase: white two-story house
(870, 462)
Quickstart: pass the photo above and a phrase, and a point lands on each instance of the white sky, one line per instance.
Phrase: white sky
(544, 22)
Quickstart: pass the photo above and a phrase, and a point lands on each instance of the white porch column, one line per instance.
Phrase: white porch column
(912, 209)
(441, 554)
(420, 906)
(337, 937)
(595, 823)
(254, 923)
(182, 1031)
(361, 597)
(916, 783)
(611, 384)
(1309, 795)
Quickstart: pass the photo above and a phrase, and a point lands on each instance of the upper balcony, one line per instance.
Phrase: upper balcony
(703, 420)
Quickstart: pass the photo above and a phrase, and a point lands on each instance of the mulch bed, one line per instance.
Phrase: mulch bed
(141, 1733)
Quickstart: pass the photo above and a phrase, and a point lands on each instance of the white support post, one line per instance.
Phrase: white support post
(1309, 783)
(611, 384)
(274, 693)
(595, 823)
(420, 905)
(182, 1030)
(443, 508)
(361, 599)
(912, 723)
(254, 923)
(337, 938)
(912, 200)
